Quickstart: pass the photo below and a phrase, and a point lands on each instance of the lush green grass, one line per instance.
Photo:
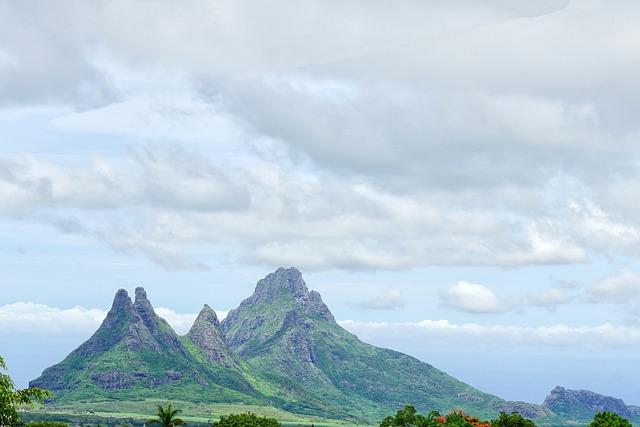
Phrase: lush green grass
(193, 412)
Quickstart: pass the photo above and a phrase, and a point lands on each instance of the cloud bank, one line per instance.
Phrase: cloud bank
(430, 134)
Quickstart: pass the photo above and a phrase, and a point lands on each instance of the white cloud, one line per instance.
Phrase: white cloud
(453, 136)
(391, 299)
(446, 333)
(549, 298)
(622, 288)
(475, 298)
(471, 297)
(32, 318)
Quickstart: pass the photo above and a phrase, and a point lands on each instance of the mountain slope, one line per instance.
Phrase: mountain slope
(288, 335)
(136, 354)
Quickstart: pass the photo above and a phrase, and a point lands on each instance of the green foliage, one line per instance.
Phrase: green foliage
(409, 416)
(10, 397)
(246, 420)
(609, 419)
(167, 417)
(512, 420)
(47, 424)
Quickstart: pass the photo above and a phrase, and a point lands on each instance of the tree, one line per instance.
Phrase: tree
(167, 417)
(513, 420)
(408, 417)
(10, 397)
(609, 419)
(246, 420)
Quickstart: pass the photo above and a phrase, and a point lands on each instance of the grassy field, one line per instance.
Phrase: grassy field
(193, 413)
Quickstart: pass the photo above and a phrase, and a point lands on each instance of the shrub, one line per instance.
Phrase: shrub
(47, 424)
(513, 420)
(246, 420)
(609, 419)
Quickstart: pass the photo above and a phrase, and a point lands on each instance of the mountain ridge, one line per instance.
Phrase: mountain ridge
(280, 347)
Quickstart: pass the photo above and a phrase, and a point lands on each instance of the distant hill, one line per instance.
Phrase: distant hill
(572, 406)
(281, 347)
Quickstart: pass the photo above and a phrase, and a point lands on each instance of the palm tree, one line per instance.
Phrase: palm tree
(167, 417)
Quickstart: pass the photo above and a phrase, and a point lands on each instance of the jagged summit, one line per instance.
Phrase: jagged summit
(208, 316)
(283, 290)
(282, 280)
(209, 338)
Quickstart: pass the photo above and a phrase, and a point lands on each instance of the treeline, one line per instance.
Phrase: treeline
(409, 417)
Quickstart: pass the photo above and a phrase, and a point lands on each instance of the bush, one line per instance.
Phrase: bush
(47, 424)
(246, 420)
(513, 420)
(609, 419)
(409, 417)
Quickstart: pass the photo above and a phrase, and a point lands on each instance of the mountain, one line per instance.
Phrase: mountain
(281, 348)
(564, 405)
(136, 353)
(289, 337)
(584, 404)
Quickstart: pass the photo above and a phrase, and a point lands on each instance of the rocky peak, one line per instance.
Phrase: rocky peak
(206, 317)
(208, 337)
(145, 309)
(283, 279)
(124, 325)
(561, 398)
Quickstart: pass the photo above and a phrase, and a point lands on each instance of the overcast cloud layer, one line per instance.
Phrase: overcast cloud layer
(497, 133)
(485, 152)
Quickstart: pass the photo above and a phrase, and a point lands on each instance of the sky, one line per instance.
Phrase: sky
(459, 180)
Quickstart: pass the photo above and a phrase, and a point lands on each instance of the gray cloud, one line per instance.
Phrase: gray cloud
(423, 135)
(446, 333)
(622, 288)
(480, 299)
(390, 299)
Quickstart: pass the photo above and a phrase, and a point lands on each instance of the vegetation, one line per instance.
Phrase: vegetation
(10, 397)
(246, 420)
(609, 419)
(47, 424)
(409, 417)
(511, 420)
(167, 417)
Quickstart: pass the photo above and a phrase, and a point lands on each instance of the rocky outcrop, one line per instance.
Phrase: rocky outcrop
(124, 325)
(563, 401)
(209, 338)
(527, 410)
(157, 326)
(113, 380)
(284, 283)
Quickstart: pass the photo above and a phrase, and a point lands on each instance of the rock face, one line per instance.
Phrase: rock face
(527, 410)
(209, 338)
(583, 404)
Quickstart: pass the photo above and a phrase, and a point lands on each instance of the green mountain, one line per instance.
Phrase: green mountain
(280, 348)
(288, 336)
(137, 354)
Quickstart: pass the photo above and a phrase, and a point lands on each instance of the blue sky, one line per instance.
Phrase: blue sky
(459, 183)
